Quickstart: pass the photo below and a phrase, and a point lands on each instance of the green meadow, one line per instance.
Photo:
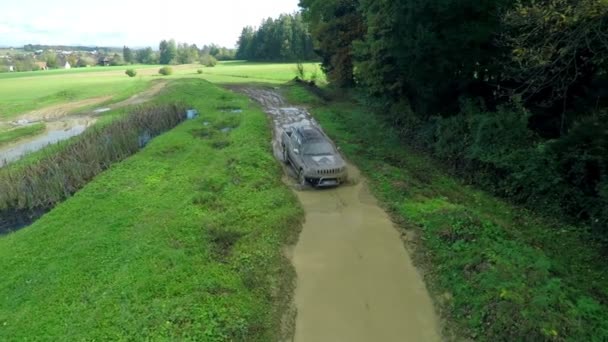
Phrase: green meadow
(181, 241)
(21, 92)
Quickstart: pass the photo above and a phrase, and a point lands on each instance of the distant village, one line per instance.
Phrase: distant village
(41, 57)
(13, 59)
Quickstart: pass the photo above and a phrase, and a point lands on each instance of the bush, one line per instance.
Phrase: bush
(208, 61)
(165, 71)
(300, 72)
(131, 72)
(199, 71)
(565, 177)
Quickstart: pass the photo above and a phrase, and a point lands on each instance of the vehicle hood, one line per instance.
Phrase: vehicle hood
(327, 161)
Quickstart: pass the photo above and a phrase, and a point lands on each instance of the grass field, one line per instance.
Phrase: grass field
(498, 272)
(24, 91)
(180, 242)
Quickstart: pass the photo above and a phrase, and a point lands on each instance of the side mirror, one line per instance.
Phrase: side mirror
(296, 151)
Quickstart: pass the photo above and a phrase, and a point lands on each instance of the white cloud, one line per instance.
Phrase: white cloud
(133, 23)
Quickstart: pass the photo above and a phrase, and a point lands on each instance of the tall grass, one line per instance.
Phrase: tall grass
(28, 191)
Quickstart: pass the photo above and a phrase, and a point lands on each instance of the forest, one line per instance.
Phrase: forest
(283, 39)
(511, 95)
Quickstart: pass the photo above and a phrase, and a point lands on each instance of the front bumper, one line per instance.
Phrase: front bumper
(322, 180)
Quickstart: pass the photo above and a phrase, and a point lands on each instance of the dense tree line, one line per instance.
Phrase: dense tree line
(513, 94)
(283, 39)
(170, 52)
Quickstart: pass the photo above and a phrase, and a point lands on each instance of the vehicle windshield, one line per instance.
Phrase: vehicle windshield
(318, 148)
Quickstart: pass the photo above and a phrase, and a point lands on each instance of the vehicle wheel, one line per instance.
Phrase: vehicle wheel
(301, 178)
(285, 156)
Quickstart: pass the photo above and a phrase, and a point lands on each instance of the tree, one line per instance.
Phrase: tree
(408, 53)
(51, 60)
(283, 39)
(167, 52)
(335, 25)
(85, 61)
(208, 60)
(245, 43)
(146, 56)
(73, 60)
(559, 52)
(187, 54)
(127, 55)
(116, 60)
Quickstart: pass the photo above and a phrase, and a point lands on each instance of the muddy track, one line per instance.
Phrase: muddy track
(355, 279)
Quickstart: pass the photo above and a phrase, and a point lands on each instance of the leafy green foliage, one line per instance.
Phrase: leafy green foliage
(146, 56)
(127, 55)
(131, 72)
(167, 52)
(283, 39)
(165, 71)
(537, 68)
(335, 24)
(208, 61)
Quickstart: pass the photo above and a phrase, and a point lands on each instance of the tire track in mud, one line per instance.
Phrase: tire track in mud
(355, 279)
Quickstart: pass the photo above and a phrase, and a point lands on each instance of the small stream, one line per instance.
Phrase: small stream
(55, 132)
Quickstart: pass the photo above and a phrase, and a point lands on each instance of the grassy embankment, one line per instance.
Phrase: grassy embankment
(20, 133)
(497, 272)
(181, 241)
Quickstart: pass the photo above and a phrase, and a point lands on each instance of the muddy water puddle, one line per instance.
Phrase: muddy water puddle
(61, 125)
(355, 279)
(55, 132)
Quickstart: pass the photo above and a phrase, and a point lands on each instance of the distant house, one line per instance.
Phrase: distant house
(104, 61)
(67, 65)
(42, 66)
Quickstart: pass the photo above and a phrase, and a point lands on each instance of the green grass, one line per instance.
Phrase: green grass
(25, 91)
(249, 72)
(20, 133)
(19, 95)
(497, 272)
(182, 241)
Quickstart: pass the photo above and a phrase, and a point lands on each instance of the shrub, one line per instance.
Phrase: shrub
(300, 72)
(199, 71)
(131, 72)
(208, 61)
(165, 71)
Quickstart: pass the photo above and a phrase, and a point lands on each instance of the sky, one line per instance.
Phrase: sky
(133, 23)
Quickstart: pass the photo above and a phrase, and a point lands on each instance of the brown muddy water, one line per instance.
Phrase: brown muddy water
(355, 279)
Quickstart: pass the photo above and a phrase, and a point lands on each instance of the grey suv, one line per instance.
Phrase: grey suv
(313, 156)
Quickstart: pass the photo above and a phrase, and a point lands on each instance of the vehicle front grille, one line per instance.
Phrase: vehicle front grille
(329, 171)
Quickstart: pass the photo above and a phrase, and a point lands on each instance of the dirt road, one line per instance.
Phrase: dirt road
(355, 280)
